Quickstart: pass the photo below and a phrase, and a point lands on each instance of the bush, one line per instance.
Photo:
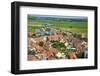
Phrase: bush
(34, 35)
(31, 52)
(41, 43)
(59, 45)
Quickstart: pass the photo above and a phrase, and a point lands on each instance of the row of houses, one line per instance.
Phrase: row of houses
(47, 51)
(45, 38)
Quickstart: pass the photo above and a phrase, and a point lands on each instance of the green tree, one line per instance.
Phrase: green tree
(41, 43)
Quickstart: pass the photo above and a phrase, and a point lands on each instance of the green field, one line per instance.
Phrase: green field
(71, 26)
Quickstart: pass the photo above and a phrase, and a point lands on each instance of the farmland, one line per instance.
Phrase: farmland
(72, 26)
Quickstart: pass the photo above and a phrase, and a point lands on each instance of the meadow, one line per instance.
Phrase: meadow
(71, 26)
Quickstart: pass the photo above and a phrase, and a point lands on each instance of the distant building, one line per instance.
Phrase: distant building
(37, 30)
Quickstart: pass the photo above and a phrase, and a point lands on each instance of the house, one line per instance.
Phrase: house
(72, 55)
(59, 55)
(29, 42)
(53, 50)
(31, 58)
(37, 30)
(30, 34)
(50, 54)
(39, 39)
(38, 48)
(59, 33)
(77, 43)
(54, 37)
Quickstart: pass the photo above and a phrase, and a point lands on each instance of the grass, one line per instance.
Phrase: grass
(74, 26)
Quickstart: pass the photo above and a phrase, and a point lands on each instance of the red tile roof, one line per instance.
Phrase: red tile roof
(39, 39)
(31, 58)
(54, 37)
